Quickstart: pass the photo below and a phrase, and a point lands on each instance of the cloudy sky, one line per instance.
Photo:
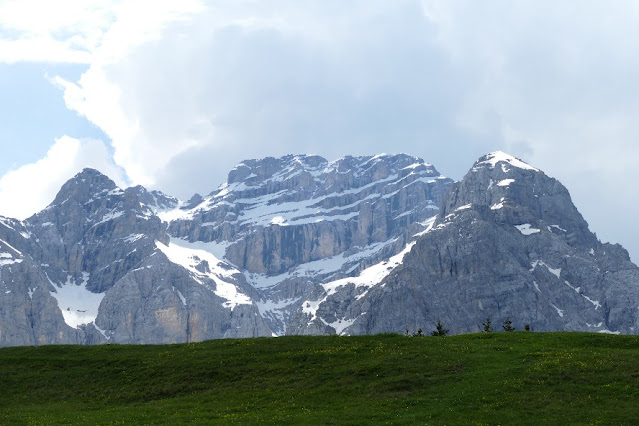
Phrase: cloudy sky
(172, 94)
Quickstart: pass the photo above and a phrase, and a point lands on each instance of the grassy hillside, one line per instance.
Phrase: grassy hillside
(481, 378)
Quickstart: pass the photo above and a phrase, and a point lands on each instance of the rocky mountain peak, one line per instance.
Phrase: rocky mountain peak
(95, 231)
(257, 170)
(90, 199)
(83, 186)
(380, 166)
(295, 222)
(508, 242)
(504, 189)
(300, 245)
(310, 171)
(493, 159)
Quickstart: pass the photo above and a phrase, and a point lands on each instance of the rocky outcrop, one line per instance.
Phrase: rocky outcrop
(161, 302)
(276, 214)
(80, 272)
(300, 245)
(294, 222)
(508, 242)
(94, 227)
(29, 315)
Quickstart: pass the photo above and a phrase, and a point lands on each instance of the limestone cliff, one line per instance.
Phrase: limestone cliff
(300, 245)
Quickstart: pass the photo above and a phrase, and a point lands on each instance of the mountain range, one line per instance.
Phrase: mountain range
(300, 245)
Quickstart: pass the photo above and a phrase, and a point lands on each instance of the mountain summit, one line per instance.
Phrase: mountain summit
(507, 243)
(301, 245)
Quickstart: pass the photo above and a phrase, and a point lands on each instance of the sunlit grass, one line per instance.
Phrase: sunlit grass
(478, 379)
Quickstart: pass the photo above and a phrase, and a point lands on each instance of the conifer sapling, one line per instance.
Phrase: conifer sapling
(508, 325)
(440, 330)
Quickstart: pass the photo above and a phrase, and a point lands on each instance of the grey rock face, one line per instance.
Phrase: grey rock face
(300, 245)
(294, 222)
(88, 270)
(94, 227)
(508, 242)
(161, 302)
(276, 214)
(29, 315)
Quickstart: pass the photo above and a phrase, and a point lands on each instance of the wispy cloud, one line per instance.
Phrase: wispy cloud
(65, 31)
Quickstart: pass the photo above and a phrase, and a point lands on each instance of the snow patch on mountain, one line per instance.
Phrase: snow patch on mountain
(497, 157)
(217, 249)
(133, 238)
(9, 246)
(9, 255)
(277, 311)
(499, 205)
(340, 325)
(78, 305)
(428, 226)
(527, 229)
(175, 213)
(560, 312)
(5, 221)
(8, 259)
(114, 214)
(214, 269)
(369, 277)
(372, 275)
(505, 182)
(320, 267)
(555, 271)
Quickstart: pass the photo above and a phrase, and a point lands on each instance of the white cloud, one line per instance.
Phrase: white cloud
(32, 187)
(247, 79)
(65, 31)
(83, 31)
(40, 50)
(93, 32)
(553, 82)
(184, 90)
(101, 98)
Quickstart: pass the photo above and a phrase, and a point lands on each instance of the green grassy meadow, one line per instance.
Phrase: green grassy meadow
(489, 378)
